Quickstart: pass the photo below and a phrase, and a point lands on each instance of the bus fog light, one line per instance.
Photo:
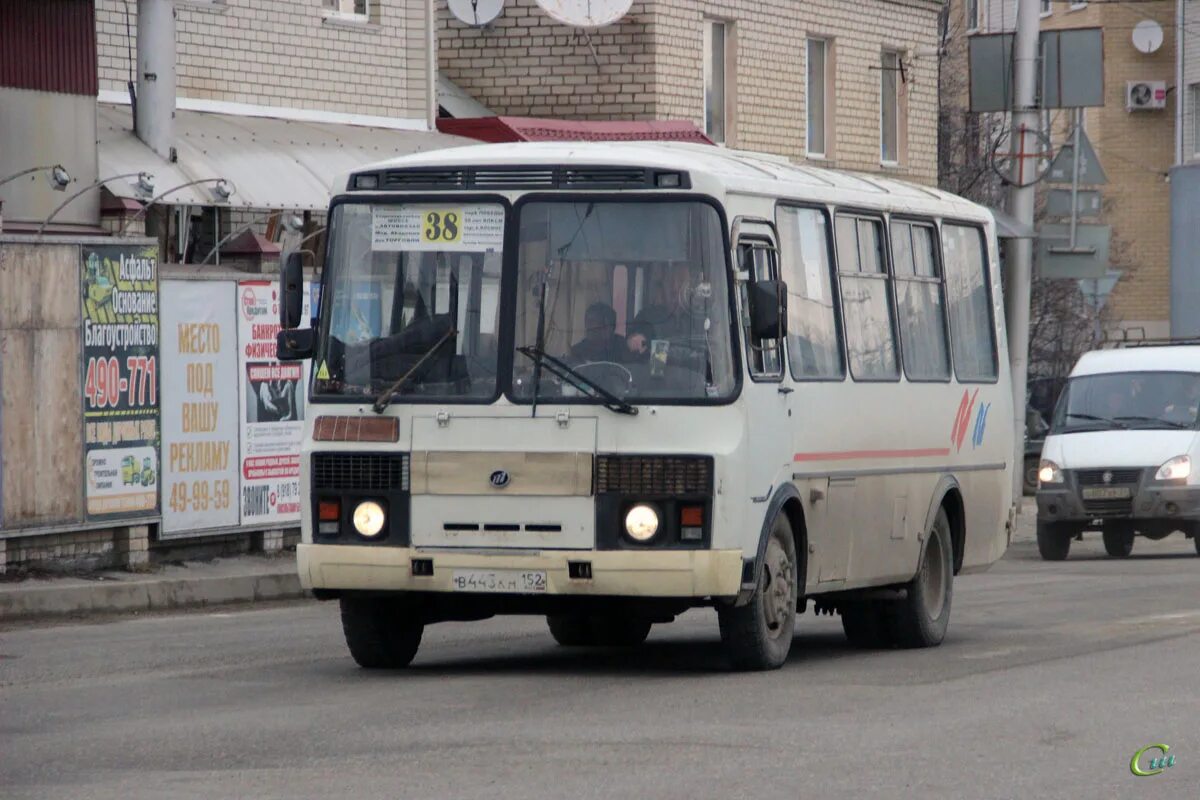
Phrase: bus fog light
(641, 523)
(368, 518)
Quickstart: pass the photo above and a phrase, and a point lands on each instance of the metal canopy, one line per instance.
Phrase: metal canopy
(457, 102)
(272, 163)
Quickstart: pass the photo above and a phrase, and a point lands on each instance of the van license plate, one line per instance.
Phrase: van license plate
(504, 581)
(1107, 493)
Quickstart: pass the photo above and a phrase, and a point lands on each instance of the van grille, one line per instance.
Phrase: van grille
(654, 475)
(360, 471)
(1122, 507)
(1120, 477)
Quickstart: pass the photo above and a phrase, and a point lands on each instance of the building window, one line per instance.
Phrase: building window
(818, 50)
(349, 8)
(715, 96)
(889, 109)
(866, 304)
(1194, 98)
(1047, 7)
(972, 15)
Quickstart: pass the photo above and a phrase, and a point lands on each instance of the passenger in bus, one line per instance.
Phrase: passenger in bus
(601, 341)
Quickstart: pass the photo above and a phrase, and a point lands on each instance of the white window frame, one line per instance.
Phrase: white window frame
(972, 8)
(1194, 99)
(710, 27)
(823, 152)
(1047, 8)
(344, 10)
(1078, 5)
(884, 70)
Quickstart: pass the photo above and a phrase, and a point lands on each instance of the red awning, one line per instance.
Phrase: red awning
(530, 129)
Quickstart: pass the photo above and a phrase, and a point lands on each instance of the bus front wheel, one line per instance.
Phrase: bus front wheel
(758, 635)
(378, 634)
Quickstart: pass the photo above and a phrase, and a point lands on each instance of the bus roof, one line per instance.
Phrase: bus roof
(737, 171)
(1180, 358)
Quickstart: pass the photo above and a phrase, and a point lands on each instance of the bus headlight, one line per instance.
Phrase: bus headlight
(641, 523)
(368, 518)
(1177, 469)
(1049, 472)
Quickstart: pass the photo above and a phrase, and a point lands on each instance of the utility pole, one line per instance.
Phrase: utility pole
(1019, 261)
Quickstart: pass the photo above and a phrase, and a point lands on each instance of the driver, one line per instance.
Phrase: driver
(601, 341)
(672, 329)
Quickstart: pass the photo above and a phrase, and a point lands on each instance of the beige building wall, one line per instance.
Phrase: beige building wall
(650, 66)
(286, 53)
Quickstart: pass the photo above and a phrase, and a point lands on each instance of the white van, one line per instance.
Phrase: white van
(1122, 451)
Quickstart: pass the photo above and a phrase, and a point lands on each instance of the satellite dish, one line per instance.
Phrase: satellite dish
(476, 13)
(586, 13)
(1147, 36)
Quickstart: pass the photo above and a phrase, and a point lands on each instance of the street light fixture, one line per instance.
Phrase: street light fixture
(223, 189)
(56, 174)
(145, 179)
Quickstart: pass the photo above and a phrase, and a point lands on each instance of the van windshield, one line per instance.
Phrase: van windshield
(1127, 400)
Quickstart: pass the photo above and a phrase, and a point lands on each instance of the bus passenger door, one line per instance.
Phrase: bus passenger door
(767, 399)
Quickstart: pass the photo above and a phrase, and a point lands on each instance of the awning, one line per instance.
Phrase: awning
(531, 129)
(272, 163)
(457, 102)
(1009, 227)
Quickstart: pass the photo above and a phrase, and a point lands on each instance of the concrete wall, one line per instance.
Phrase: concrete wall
(286, 53)
(650, 66)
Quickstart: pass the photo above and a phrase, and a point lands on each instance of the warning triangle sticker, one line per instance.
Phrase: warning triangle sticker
(323, 372)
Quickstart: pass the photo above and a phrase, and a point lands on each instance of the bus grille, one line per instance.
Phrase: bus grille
(654, 475)
(1120, 477)
(524, 177)
(360, 471)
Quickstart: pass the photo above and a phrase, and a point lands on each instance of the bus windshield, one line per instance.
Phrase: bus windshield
(413, 290)
(1121, 400)
(631, 295)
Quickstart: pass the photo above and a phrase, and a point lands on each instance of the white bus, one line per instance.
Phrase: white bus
(610, 383)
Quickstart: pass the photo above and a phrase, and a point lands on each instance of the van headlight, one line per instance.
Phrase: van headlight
(1177, 469)
(1049, 472)
(368, 518)
(641, 523)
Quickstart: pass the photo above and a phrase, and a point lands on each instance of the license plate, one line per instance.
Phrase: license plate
(1107, 493)
(508, 581)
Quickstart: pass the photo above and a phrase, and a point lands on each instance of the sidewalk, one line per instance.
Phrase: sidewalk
(230, 580)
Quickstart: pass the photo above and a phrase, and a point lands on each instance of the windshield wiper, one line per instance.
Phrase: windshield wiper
(385, 398)
(1094, 418)
(1159, 420)
(581, 382)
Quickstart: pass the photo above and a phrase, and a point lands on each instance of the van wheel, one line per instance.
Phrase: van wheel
(866, 625)
(922, 617)
(1054, 542)
(571, 630)
(1118, 543)
(378, 634)
(758, 635)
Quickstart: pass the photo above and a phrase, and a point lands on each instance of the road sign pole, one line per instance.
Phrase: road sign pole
(1021, 205)
(1075, 177)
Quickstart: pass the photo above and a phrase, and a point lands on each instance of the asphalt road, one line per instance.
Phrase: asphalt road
(1052, 676)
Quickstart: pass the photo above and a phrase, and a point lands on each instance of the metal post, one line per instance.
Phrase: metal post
(155, 110)
(1078, 115)
(1021, 205)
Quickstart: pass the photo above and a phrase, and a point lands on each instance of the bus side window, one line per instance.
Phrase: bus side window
(814, 343)
(972, 329)
(866, 306)
(920, 301)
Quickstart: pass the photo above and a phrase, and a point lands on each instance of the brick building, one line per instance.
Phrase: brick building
(849, 85)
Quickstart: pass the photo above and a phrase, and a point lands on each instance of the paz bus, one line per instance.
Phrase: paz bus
(608, 383)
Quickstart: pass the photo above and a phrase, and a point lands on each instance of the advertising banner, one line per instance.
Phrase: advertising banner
(272, 397)
(120, 380)
(199, 406)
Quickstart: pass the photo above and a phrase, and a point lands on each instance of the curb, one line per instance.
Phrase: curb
(42, 602)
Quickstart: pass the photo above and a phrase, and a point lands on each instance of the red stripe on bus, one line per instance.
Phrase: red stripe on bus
(848, 455)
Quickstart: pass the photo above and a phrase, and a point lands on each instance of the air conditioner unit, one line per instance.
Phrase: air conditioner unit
(1145, 95)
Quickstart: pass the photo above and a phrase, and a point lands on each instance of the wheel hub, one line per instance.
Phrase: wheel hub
(778, 599)
(933, 578)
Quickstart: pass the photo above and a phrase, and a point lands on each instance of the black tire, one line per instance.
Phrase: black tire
(1196, 541)
(378, 634)
(866, 625)
(612, 631)
(922, 617)
(1118, 543)
(1030, 478)
(758, 635)
(571, 630)
(1054, 542)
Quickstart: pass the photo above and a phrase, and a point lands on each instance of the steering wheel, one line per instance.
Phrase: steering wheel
(614, 377)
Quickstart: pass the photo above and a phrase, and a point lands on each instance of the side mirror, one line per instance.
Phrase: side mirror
(768, 310)
(295, 344)
(291, 292)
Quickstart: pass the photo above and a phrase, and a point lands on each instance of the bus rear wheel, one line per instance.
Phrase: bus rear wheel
(922, 617)
(758, 635)
(378, 634)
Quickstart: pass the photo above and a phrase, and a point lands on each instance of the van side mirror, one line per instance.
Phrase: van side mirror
(768, 310)
(291, 291)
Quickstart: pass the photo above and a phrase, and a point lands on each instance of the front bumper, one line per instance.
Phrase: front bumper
(694, 573)
(1149, 501)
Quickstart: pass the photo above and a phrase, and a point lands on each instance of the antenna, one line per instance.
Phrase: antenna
(586, 13)
(1147, 36)
(476, 13)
